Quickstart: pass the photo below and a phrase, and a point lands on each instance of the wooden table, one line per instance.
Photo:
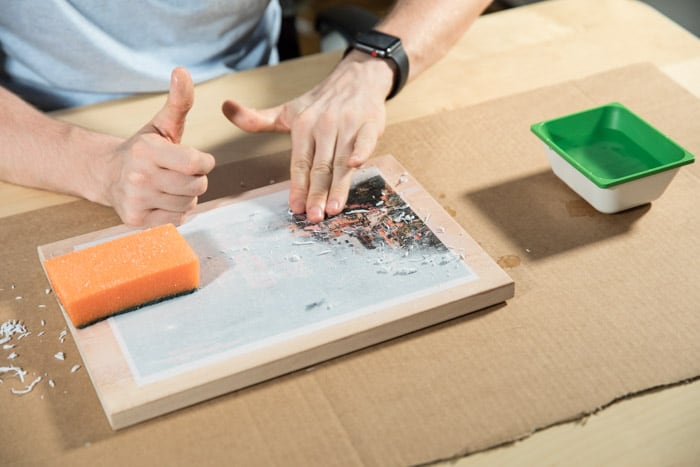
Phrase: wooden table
(547, 43)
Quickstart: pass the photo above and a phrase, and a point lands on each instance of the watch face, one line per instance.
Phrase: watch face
(378, 41)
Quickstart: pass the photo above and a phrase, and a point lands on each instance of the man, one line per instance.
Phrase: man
(62, 53)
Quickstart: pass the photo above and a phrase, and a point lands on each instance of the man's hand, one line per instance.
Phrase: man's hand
(334, 129)
(155, 179)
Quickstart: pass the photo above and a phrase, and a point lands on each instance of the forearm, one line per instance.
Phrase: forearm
(42, 152)
(429, 29)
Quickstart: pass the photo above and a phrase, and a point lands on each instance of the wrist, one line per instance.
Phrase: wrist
(388, 49)
(375, 73)
(99, 164)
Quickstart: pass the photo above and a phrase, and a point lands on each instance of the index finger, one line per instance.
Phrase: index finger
(254, 120)
(185, 160)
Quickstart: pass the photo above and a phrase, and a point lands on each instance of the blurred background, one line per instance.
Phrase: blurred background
(311, 26)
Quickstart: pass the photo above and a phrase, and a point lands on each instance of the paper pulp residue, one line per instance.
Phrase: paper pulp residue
(269, 275)
(11, 333)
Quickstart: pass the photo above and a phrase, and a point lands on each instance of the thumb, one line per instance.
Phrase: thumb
(169, 122)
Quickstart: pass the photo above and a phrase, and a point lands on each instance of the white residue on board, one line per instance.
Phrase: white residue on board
(405, 271)
(356, 211)
(382, 260)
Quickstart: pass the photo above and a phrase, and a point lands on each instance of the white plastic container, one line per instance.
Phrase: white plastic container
(616, 198)
(611, 157)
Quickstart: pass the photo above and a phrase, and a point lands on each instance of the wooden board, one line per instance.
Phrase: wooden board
(418, 265)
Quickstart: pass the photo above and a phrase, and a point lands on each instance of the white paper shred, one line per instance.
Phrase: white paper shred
(74, 368)
(20, 373)
(28, 388)
(357, 211)
(59, 356)
(11, 328)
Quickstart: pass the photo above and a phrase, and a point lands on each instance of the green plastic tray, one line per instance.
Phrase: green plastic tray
(611, 145)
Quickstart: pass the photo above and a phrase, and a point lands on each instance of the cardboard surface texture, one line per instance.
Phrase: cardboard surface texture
(605, 306)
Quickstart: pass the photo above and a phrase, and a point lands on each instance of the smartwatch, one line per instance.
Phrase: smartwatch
(387, 47)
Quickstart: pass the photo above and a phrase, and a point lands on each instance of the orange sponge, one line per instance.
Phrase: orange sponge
(123, 274)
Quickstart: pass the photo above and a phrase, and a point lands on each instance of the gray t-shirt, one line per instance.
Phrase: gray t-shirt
(62, 53)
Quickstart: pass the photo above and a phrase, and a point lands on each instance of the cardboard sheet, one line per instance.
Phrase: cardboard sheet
(605, 306)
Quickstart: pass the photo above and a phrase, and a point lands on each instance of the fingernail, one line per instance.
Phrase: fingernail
(333, 206)
(315, 213)
(297, 207)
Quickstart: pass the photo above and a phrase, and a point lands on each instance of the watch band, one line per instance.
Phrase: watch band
(399, 57)
(387, 47)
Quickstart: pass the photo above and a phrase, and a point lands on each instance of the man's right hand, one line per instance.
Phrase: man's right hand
(155, 179)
